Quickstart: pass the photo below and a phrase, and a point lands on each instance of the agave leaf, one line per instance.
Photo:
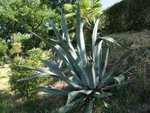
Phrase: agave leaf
(55, 69)
(94, 35)
(73, 62)
(81, 67)
(52, 66)
(105, 64)
(69, 65)
(59, 37)
(109, 39)
(94, 81)
(106, 105)
(38, 75)
(124, 72)
(59, 62)
(96, 49)
(111, 79)
(80, 40)
(97, 61)
(65, 29)
(120, 78)
(81, 47)
(49, 90)
(102, 95)
(65, 108)
(110, 74)
(70, 55)
(103, 81)
(37, 69)
(69, 60)
(73, 94)
(89, 108)
(52, 45)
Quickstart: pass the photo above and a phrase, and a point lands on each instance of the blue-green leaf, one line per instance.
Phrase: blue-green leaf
(73, 94)
(105, 64)
(89, 108)
(120, 78)
(67, 107)
(65, 29)
(94, 35)
(54, 67)
(38, 75)
(59, 37)
(49, 90)
(37, 69)
(102, 95)
(109, 39)
(96, 49)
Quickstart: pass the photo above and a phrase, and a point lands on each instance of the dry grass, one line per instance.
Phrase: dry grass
(140, 43)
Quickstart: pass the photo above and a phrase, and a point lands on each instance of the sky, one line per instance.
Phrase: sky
(108, 3)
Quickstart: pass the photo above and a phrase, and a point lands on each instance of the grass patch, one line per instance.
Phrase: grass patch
(14, 104)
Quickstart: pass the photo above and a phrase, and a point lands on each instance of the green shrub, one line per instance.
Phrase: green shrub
(22, 87)
(32, 59)
(86, 81)
(3, 51)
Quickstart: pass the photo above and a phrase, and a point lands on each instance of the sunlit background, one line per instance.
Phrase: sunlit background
(108, 3)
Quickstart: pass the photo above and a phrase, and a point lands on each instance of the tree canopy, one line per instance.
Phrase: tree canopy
(25, 16)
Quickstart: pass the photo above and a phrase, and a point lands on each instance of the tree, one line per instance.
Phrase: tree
(25, 16)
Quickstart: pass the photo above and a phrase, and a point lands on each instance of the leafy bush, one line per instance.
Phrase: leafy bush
(3, 51)
(17, 72)
(86, 81)
(22, 87)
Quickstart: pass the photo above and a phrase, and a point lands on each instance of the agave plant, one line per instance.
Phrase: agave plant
(86, 80)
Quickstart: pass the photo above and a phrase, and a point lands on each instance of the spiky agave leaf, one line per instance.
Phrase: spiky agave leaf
(109, 39)
(89, 108)
(96, 50)
(74, 94)
(105, 64)
(67, 107)
(81, 49)
(56, 70)
(50, 90)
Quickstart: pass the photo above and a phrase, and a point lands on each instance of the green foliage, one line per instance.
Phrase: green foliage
(22, 87)
(87, 81)
(17, 72)
(25, 16)
(19, 44)
(128, 15)
(3, 47)
(3, 51)
(90, 11)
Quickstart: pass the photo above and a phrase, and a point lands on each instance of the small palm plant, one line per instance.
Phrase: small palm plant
(86, 80)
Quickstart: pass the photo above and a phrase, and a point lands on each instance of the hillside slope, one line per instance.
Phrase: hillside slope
(140, 43)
